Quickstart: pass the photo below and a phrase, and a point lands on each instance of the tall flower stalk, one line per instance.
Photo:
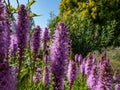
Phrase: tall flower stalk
(115, 76)
(46, 77)
(72, 73)
(45, 45)
(7, 78)
(92, 80)
(89, 64)
(13, 45)
(35, 44)
(104, 82)
(3, 33)
(45, 38)
(58, 55)
(21, 32)
(36, 76)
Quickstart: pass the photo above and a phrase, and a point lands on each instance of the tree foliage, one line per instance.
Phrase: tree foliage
(93, 24)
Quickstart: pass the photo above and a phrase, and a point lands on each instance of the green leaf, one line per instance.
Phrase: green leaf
(34, 15)
(31, 2)
(12, 9)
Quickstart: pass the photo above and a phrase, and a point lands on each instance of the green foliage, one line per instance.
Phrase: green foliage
(31, 15)
(87, 36)
(31, 2)
(12, 9)
(52, 23)
(93, 24)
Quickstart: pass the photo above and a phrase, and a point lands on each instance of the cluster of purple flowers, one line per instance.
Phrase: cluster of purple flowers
(59, 55)
(7, 78)
(36, 76)
(98, 76)
(78, 58)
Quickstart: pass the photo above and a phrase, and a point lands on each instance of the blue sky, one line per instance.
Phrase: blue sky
(43, 7)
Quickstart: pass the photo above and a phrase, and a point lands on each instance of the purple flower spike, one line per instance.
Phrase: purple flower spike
(13, 44)
(46, 34)
(80, 58)
(22, 27)
(117, 87)
(3, 33)
(76, 57)
(36, 38)
(45, 39)
(89, 64)
(115, 76)
(46, 76)
(58, 55)
(46, 58)
(82, 67)
(2, 11)
(72, 72)
(36, 76)
(104, 82)
(35, 44)
(94, 61)
(92, 80)
(7, 78)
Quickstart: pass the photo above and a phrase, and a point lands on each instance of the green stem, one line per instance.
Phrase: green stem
(71, 84)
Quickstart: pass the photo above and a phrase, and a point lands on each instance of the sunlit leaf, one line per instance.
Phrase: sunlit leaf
(34, 15)
(31, 2)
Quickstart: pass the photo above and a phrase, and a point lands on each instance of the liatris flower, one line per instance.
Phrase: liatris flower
(22, 27)
(35, 44)
(36, 38)
(13, 44)
(92, 80)
(45, 38)
(46, 76)
(72, 72)
(2, 11)
(80, 58)
(21, 33)
(3, 34)
(115, 76)
(94, 61)
(46, 34)
(104, 56)
(46, 58)
(117, 87)
(7, 78)
(82, 67)
(76, 57)
(104, 82)
(58, 55)
(89, 64)
(101, 61)
(36, 76)
(14, 70)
